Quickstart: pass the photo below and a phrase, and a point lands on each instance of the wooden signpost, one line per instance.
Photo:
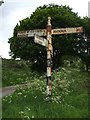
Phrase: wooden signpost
(40, 40)
(48, 44)
(42, 32)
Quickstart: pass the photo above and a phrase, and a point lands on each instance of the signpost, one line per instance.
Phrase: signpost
(31, 33)
(67, 30)
(42, 32)
(49, 60)
(48, 44)
(40, 40)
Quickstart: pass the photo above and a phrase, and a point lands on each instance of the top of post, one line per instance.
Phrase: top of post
(49, 21)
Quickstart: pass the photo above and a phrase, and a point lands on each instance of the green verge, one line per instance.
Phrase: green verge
(16, 72)
(69, 96)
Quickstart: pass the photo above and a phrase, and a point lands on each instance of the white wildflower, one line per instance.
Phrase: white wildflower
(19, 93)
(26, 117)
(23, 90)
(21, 112)
(32, 116)
(35, 97)
(25, 96)
(28, 108)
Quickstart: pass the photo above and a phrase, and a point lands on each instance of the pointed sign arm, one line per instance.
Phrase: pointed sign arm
(42, 32)
(67, 30)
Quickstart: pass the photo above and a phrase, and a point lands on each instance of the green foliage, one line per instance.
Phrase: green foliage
(62, 16)
(86, 25)
(69, 93)
(84, 51)
(16, 72)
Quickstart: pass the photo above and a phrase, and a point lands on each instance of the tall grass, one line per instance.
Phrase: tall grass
(16, 72)
(69, 96)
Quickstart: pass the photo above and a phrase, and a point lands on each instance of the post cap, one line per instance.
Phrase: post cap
(49, 20)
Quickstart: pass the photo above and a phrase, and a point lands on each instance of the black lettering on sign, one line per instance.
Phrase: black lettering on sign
(59, 31)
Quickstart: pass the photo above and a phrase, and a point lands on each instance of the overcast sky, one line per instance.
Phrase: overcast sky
(14, 10)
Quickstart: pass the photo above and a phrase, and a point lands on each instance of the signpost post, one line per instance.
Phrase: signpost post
(49, 60)
(48, 44)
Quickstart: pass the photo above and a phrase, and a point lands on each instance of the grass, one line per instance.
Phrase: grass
(36, 107)
(16, 72)
(69, 95)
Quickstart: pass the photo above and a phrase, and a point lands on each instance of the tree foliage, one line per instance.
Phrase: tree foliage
(61, 17)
